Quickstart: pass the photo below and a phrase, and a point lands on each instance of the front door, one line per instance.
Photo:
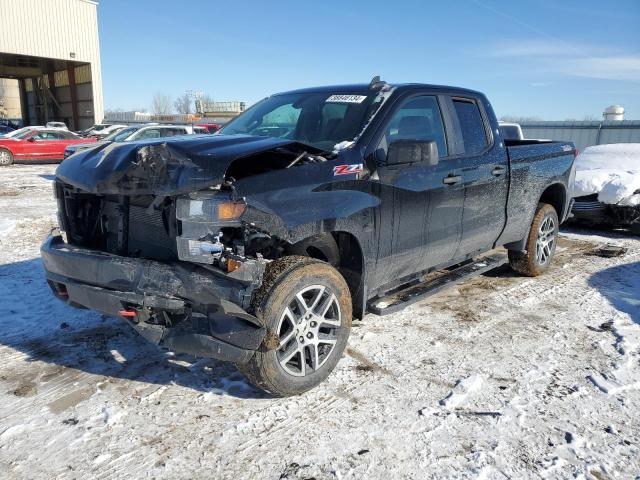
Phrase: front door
(419, 219)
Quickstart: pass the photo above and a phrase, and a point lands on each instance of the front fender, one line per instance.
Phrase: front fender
(298, 213)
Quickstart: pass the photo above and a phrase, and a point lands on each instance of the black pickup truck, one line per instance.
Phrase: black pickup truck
(258, 245)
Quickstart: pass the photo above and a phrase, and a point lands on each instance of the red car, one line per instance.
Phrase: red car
(210, 127)
(39, 144)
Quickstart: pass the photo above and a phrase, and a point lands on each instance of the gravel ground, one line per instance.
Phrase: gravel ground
(501, 377)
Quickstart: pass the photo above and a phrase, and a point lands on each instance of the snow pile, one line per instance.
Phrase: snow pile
(459, 394)
(6, 226)
(612, 171)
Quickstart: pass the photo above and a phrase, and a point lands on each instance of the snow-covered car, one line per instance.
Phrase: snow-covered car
(607, 186)
(57, 125)
(106, 131)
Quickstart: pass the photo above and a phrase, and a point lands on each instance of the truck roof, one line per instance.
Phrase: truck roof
(364, 87)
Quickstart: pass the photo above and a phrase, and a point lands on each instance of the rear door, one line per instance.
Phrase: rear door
(485, 176)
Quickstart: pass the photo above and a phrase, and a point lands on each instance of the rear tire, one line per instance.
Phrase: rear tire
(6, 157)
(305, 305)
(541, 243)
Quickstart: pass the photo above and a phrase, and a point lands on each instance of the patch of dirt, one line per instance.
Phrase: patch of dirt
(27, 389)
(365, 365)
(461, 311)
(9, 192)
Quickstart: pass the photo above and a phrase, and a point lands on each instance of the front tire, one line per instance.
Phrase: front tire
(305, 305)
(541, 243)
(6, 158)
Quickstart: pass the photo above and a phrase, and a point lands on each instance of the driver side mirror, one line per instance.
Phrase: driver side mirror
(403, 152)
(31, 139)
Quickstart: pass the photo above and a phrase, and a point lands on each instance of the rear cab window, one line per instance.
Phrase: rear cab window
(472, 125)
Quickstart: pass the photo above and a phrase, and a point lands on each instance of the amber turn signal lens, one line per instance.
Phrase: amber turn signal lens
(230, 210)
(233, 265)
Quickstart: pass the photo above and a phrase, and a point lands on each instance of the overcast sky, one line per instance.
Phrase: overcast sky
(542, 58)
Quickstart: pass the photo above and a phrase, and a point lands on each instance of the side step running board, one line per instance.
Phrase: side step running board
(399, 299)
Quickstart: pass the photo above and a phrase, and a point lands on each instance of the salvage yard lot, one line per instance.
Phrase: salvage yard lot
(501, 377)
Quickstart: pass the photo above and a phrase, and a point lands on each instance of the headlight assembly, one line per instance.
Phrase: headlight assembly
(202, 216)
(215, 210)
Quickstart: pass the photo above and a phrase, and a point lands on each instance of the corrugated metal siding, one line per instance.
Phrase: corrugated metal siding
(587, 133)
(55, 29)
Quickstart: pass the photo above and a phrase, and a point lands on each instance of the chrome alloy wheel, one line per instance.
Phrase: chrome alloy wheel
(5, 157)
(308, 330)
(545, 242)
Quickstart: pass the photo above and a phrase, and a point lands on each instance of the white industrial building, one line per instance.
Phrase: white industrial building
(51, 51)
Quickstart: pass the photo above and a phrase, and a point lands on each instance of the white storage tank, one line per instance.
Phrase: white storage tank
(614, 112)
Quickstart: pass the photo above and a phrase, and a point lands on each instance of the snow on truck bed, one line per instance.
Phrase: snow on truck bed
(500, 377)
(611, 171)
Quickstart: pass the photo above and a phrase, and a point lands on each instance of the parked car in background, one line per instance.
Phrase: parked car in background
(4, 129)
(57, 125)
(93, 129)
(210, 127)
(133, 133)
(258, 244)
(607, 186)
(511, 131)
(105, 132)
(37, 144)
(20, 131)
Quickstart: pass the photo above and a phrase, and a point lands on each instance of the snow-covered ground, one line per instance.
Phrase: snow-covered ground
(502, 377)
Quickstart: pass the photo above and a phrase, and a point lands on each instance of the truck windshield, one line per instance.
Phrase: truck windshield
(318, 119)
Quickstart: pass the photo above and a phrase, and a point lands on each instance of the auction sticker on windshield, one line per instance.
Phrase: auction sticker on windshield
(346, 99)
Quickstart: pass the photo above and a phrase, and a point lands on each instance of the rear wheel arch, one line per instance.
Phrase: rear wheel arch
(556, 196)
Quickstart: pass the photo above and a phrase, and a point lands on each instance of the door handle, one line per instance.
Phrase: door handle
(451, 179)
(497, 171)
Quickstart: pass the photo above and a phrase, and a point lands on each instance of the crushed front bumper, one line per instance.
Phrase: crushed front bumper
(183, 307)
(589, 210)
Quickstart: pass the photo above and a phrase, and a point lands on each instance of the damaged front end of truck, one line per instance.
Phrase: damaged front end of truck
(157, 235)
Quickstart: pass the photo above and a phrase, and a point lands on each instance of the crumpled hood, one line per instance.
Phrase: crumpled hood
(161, 167)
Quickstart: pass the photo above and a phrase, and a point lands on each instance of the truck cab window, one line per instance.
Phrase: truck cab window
(418, 118)
(472, 126)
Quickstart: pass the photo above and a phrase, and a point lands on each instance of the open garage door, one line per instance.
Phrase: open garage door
(51, 90)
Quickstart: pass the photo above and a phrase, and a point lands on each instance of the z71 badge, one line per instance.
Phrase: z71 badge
(348, 169)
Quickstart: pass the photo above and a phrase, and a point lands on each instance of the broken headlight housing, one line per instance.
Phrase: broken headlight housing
(202, 216)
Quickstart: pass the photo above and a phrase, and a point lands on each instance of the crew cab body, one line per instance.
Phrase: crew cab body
(44, 144)
(383, 182)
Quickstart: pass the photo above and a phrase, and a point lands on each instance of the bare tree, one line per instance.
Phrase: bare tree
(205, 101)
(161, 104)
(183, 104)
